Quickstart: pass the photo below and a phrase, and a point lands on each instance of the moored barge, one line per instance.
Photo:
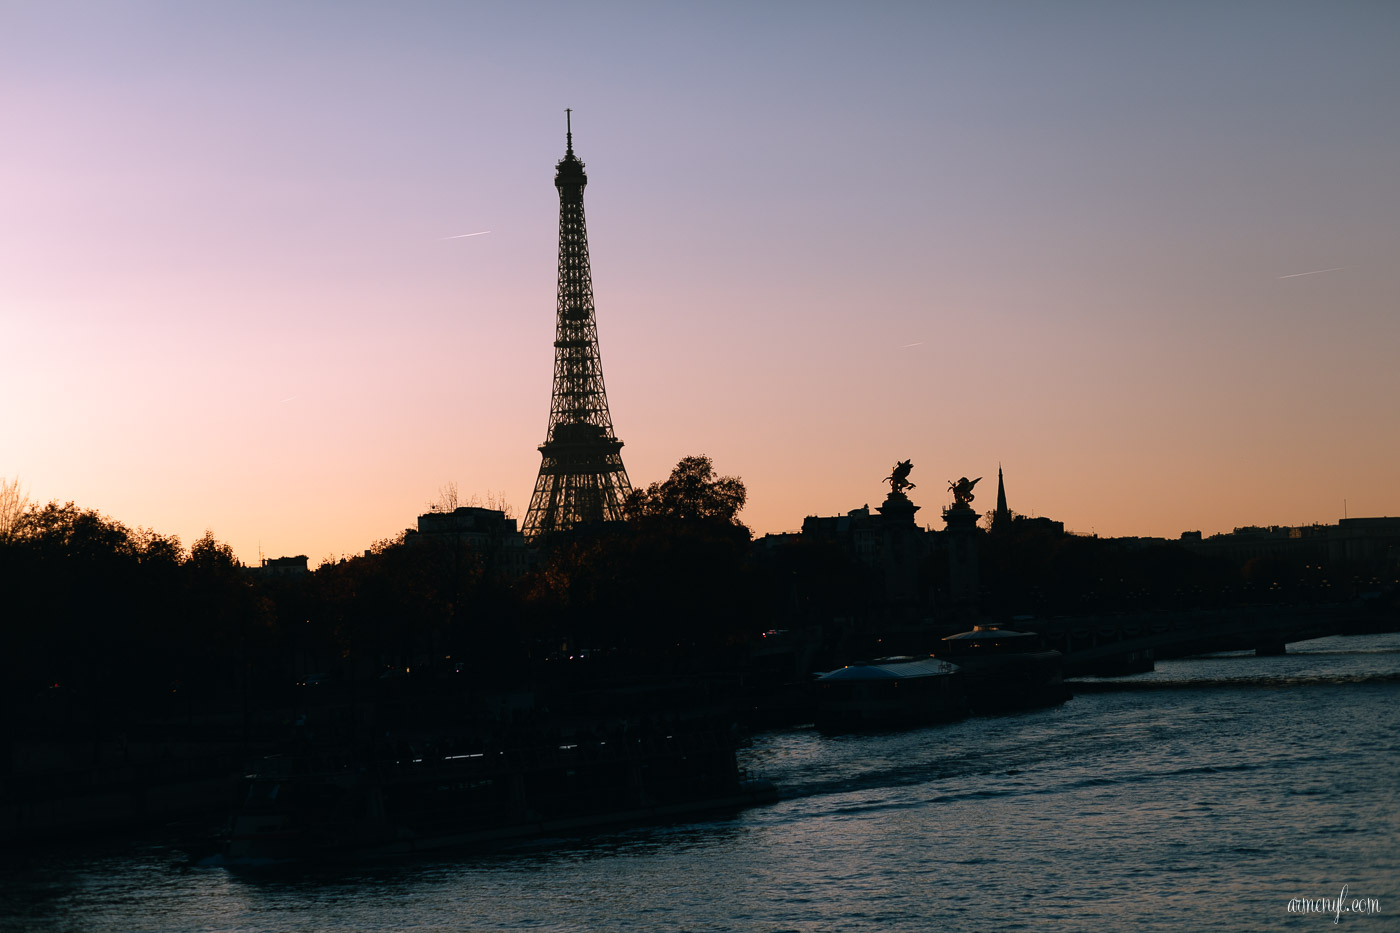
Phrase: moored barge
(448, 794)
(887, 693)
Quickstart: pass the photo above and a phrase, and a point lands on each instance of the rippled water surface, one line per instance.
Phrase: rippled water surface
(1204, 795)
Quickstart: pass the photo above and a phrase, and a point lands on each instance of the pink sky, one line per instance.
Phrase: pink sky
(825, 237)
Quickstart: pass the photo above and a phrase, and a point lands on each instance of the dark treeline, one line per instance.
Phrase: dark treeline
(103, 621)
(111, 630)
(107, 627)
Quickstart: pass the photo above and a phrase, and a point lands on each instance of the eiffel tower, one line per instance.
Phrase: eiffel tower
(582, 480)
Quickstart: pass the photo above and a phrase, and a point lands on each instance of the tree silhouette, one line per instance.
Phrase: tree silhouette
(13, 504)
(692, 493)
(672, 587)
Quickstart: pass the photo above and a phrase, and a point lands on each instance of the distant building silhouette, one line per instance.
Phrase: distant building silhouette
(485, 532)
(1041, 525)
(854, 532)
(1366, 540)
(581, 480)
(1352, 540)
(282, 567)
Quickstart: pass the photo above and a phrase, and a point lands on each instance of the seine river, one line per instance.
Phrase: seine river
(1208, 794)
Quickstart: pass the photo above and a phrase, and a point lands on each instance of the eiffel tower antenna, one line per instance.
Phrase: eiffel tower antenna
(582, 480)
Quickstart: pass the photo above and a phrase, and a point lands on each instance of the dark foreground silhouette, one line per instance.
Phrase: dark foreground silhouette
(140, 677)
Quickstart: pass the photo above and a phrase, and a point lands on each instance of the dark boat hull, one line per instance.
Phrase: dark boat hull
(478, 799)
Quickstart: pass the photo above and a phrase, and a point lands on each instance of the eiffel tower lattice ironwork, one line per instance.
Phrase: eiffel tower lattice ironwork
(582, 479)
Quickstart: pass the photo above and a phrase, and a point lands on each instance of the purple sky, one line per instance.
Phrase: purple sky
(1066, 237)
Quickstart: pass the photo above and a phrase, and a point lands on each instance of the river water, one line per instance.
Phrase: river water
(1205, 795)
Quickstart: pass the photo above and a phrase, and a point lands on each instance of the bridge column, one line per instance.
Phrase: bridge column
(963, 585)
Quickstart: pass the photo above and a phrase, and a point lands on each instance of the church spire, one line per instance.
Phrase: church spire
(1002, 516)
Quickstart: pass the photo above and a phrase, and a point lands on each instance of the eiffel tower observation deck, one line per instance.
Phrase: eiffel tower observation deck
(582, 480)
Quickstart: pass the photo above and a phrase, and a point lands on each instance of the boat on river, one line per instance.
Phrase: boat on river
(447, 794)
(888, 693)
(1005, 670)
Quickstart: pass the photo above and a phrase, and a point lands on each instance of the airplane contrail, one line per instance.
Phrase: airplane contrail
(1315, 272)
(286, 400)
(460, 235)
(908, 345)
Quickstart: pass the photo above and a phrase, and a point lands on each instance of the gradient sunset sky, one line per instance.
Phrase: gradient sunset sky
(1086, 240)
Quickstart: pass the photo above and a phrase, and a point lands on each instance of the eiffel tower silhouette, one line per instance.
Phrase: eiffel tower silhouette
(582, 480)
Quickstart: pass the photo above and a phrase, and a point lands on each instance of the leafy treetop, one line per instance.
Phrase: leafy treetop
(692, 493)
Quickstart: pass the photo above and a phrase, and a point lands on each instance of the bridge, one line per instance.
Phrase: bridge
(1130, 643)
